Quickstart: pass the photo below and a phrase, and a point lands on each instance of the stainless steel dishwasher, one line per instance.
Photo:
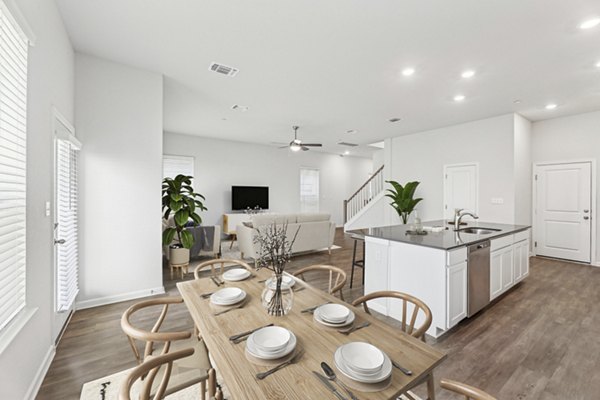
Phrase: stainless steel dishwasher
(478, 267)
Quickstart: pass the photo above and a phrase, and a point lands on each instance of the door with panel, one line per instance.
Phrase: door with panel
(460, 188)
(563, 213)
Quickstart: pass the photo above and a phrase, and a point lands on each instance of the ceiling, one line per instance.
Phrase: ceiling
(333, 66)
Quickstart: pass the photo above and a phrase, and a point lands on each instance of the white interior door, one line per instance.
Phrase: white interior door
(460, 188)
(66, 249)
(563, 210)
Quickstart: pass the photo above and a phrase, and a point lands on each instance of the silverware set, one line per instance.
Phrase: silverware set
(240, 337)
(217, 281)
(354, 328)
(328, 385)
(293, 360)
(313, 308)
(332, 377)
(242, 304)
(405, 371)
(206, 295)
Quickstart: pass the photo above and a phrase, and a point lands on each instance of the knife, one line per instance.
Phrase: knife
(328, 385)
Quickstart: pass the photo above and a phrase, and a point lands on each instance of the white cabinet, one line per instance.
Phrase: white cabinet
(456, 292)
(521, 260)
(501, 271)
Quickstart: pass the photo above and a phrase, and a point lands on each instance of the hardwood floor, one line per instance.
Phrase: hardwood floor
(538, 342)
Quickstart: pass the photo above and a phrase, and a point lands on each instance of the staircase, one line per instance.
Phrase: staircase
(367, 195)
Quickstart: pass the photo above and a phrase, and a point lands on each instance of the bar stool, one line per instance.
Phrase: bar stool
(355, 262)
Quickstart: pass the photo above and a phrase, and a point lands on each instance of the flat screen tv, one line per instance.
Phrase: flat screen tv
(243, 197)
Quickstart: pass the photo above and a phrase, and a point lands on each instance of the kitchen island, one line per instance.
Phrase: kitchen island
(434, 267)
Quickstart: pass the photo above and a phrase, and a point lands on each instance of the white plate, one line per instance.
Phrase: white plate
(236, 274)
(271, 339)
(363, 358)
(320, 320)
(271, 356)
(384, 373)
(286, 282)
(334, 313)
(228, 300)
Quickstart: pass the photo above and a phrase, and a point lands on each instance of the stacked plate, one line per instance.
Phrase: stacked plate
(363, 362)
(286, 282)
(334, 315)
(271, 343)
(227, 296)
(236, 274)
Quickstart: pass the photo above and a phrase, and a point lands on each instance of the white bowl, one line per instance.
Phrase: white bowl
(236, 274)
(286, 282)
(271, 339)
(361, 357)
(381, 375)
(253, 351)
(334, 313)
(229, 293)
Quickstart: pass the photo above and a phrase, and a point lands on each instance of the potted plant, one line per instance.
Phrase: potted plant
(179, 199)
(402, 196)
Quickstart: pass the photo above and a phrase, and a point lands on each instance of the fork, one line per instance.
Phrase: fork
(263, 375)
(215, 281)
(313, 308)
(354, 328)
(206, 295)
(229, 309)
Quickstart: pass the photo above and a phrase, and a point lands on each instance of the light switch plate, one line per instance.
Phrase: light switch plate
(47, 209)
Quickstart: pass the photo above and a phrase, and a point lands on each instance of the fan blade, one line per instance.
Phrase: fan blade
(312, 144)
(284, 147)
(305, 148)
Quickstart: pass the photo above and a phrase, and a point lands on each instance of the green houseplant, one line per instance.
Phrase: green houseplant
(179, 199)
(402, 198)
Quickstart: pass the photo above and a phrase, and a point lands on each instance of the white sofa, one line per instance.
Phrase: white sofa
(316, 232)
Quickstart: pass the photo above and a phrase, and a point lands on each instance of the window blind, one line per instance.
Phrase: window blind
(175, 165)
(67, 253)
(309, 190)
(13, 119)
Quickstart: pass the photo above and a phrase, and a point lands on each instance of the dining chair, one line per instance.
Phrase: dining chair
(222, 262)
(470, 392)
(190, 370)
(417, 332)
(335, 285)
(149, 388)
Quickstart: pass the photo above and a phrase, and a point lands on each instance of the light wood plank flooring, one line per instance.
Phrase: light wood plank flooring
(541, 341)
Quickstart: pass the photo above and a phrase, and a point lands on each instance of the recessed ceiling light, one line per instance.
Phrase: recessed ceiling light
(598, 64)
(590, 23)
(408, 71)
(551, 106)
(517, 101)
(394, 119)
(346, 152)
(468, 74)
(459, 97)
(239, 108)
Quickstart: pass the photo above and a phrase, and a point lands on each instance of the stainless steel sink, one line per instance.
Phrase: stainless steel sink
(479, 231)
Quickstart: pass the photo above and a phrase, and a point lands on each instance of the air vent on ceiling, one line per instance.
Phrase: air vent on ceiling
(394, 119)
(223, 69)
(347, 144)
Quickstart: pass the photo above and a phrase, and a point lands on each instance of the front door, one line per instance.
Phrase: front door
(563, 210)
(66, 253)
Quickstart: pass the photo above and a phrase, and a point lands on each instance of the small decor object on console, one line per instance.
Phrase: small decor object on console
(274, 253)
(402, 198)
(253, 211)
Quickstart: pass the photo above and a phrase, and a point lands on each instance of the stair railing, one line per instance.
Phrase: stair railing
(364, 195)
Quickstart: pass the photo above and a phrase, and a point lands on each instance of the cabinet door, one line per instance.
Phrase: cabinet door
(518, 262)
(456, 293)
(507, 268)
(495, 274)
(523, 255)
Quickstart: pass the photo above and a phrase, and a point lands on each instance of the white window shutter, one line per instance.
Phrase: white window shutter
(13, 119)
(176, 165)
(309, 190)
(67, 253)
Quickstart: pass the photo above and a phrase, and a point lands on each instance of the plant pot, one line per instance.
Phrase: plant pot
(179, 255)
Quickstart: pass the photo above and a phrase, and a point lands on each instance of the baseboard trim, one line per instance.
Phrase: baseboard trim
(101, 301)
(36, 384)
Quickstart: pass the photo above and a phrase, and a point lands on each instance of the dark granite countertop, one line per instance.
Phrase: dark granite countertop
(445, 240)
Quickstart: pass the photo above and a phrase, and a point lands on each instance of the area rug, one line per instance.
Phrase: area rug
(234, 251)
(107, 388)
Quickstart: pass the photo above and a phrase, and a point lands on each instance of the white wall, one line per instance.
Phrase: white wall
(489, 142)
(220, 164)
(50, 83)
(570, 138)
(522, 163)
(378, 159)
(119, 115)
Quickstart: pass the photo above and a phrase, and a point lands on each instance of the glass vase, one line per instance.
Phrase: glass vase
(277, 298)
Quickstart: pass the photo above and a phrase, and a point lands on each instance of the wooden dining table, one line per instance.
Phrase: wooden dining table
(319, 343)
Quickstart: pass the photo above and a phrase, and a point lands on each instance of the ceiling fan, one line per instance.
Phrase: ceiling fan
(297, 145)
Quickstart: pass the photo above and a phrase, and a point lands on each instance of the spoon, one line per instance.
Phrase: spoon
(331, 376)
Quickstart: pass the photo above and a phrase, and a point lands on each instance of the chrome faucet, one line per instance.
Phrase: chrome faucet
(459, 213)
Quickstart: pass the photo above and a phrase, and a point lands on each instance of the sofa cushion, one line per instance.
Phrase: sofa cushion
(313, 217)
(268, 219)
